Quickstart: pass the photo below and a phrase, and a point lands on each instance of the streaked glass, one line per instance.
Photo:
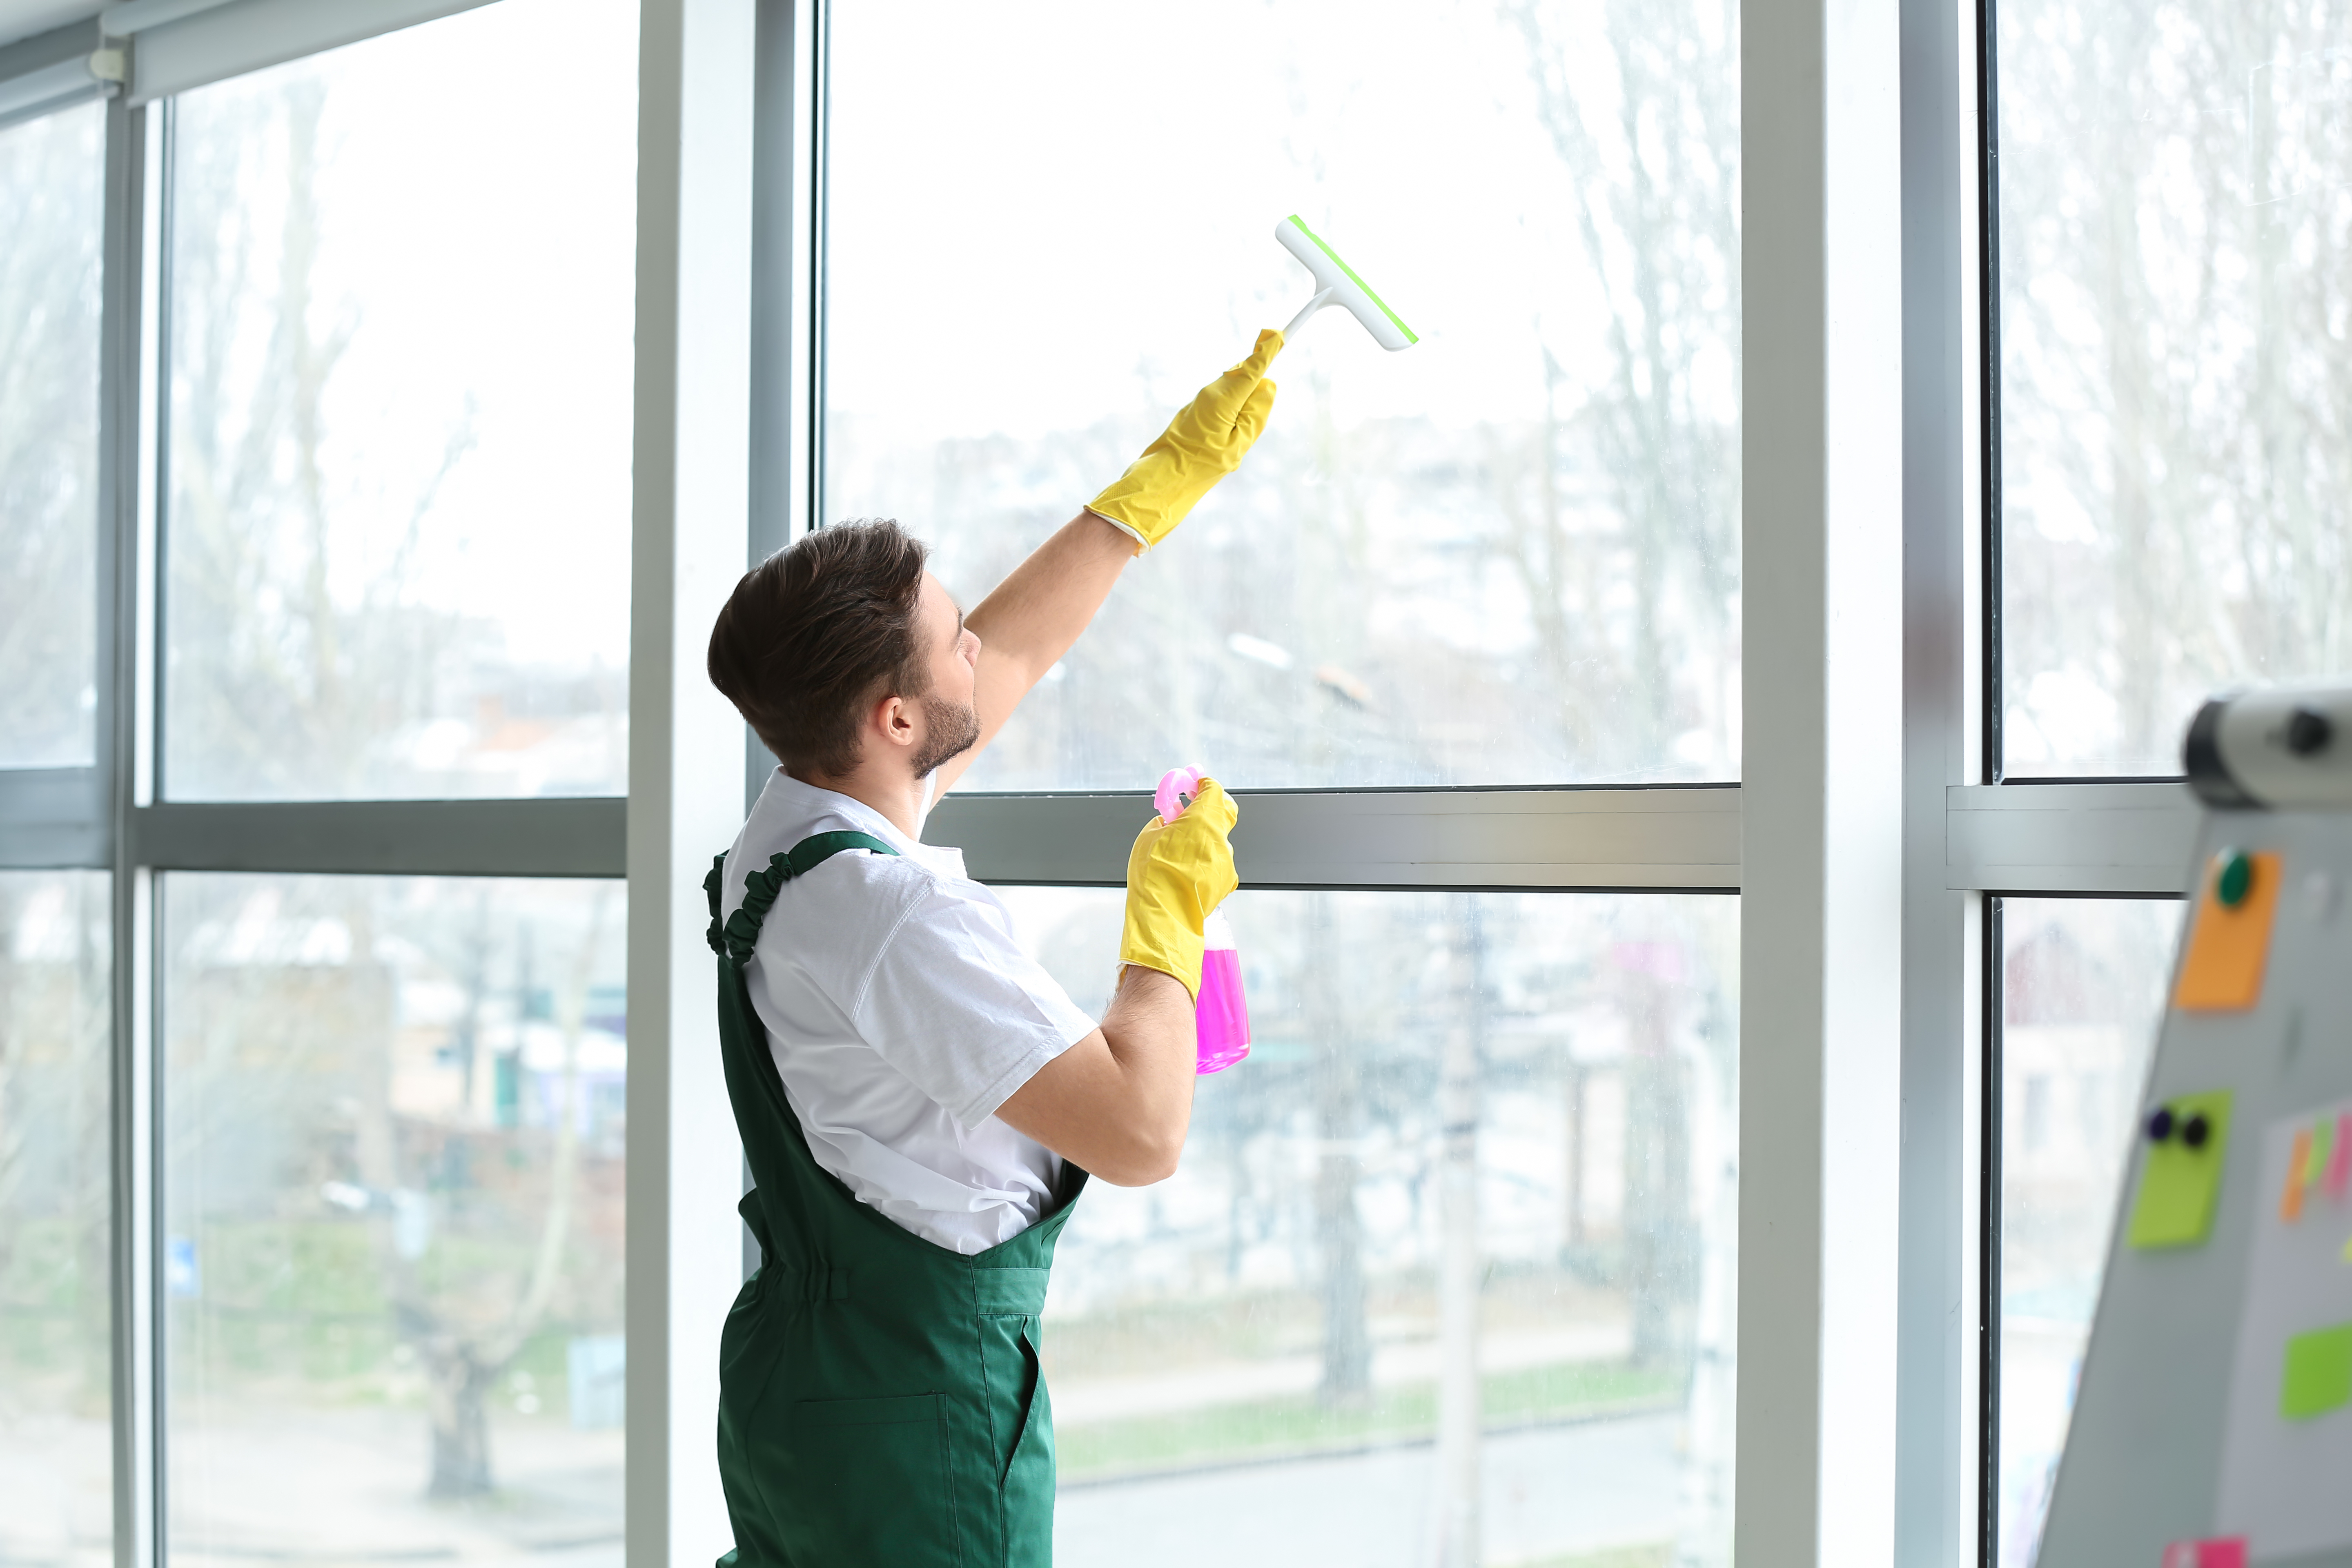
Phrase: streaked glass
(57, 1501)
(2176, 423)
(1493, 1132)
(397, 529)
(394, 1155)
(1506, 555)
(2082, 989)
(52, 172)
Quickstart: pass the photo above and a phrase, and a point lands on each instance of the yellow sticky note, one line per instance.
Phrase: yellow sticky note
(2223, 970)
(2177, 1181)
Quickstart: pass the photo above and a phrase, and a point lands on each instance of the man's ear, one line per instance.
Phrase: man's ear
(892, 720)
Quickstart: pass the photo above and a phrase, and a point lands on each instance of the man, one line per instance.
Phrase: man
(920, 1102)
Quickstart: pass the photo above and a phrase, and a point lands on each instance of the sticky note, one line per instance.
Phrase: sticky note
(2298, 1160)
(2223, 970)
(2339, 1159)
(2319, 1374)
(2177, 1184)
(2220, 1552)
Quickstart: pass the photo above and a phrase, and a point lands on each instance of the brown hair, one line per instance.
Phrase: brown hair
(816, 633)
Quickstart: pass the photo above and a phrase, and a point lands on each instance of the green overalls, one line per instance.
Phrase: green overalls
(880, 1403)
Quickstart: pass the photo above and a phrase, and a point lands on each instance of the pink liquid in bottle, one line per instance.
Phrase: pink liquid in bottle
(1220, 1014)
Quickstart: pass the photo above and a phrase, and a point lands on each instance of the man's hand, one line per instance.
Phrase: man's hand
(1117, 1102)
(1176, 873)
(1202, 444)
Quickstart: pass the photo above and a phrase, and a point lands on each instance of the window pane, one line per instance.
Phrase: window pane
(394, 1142)
(57, 1500)
(1506, 555)
(2082, 985)
(51, 172)
(1247, 1361)
(2176, 287)
(401, 303)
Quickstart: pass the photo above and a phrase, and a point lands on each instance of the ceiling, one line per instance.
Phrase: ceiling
(22, 18)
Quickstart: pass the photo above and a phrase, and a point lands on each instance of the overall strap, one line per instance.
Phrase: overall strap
(772, 1141)
(735, 939)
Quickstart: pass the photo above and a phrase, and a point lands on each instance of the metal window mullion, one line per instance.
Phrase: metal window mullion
(1682, 839)
(817, 121)
(2100, 837)
(130, 1211)
(1989, 1212)
(158, 411)
(553, 837)
(1988, 386)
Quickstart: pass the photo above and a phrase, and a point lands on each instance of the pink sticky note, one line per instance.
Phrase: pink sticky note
(2339, 1159)
(2220, 1552)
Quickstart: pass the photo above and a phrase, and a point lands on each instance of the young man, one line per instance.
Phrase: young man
(920, 1102)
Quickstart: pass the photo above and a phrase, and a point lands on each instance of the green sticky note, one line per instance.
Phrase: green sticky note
(2319, 1376)
(2177, 1184)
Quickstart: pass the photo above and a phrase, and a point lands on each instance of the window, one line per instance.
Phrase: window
(2175, 241)
(398, 464)
(55, 1209)
(390, 1115)
(1508, 555)
(1451, 1255)
(1483, 1159)
(50, 173)
(394, 1151)
(2082, 991)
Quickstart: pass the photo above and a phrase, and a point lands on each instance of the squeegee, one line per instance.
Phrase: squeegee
(1336, 283)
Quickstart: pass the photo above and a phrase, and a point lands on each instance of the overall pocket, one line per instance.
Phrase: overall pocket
(866, 1481)
(1021, 1419)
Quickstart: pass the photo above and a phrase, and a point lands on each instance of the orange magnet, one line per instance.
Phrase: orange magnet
(2223, 972)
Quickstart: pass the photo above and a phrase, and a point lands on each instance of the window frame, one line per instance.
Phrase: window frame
(2041, 837)
(731, 185)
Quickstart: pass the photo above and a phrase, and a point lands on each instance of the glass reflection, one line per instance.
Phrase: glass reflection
(1507, 555)
(56, 1505)
(1453, 1250)
(394, 1150)
(398, 513)
(2176, 282)
(51, 170)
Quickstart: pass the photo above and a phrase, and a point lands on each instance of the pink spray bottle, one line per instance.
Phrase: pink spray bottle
(1220, 1016)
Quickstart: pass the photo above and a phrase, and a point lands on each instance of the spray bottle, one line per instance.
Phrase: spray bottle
(1220, 1016)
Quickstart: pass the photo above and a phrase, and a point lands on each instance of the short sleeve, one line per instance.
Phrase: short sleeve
(953, 1003)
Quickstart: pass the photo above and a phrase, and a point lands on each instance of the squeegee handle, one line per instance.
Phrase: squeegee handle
(1313, 305)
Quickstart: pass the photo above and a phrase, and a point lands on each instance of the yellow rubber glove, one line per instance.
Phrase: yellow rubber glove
(1176, 874)
(1201, 446)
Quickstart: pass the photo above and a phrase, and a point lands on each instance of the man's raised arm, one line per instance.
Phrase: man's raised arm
(1031, 619)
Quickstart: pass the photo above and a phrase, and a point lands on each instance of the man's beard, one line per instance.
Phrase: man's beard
(952, 730)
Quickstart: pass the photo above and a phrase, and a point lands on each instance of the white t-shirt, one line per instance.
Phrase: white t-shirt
(902, 1013)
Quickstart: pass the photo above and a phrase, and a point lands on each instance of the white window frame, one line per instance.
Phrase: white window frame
(1866, 832)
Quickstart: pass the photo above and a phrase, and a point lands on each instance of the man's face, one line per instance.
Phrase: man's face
(950, 719)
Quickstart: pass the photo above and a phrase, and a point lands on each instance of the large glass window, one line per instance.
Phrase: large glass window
(1482, 1159)
(2174, 237)
(401, 297)
(394, 1158)
(2082, 992)
(56, 1208)
(51, 175)
(1507, 555)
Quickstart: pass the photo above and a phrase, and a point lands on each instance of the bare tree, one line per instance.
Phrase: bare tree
(2177, 269)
